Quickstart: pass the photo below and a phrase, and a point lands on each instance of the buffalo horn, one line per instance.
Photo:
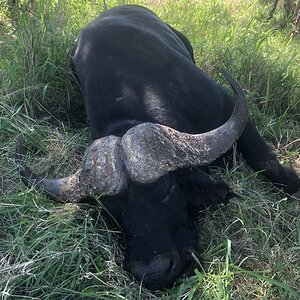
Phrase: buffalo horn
(100, 172)
(154, 150)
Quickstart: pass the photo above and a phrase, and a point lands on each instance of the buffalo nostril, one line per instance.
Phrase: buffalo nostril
(160, 264)
(158, 267)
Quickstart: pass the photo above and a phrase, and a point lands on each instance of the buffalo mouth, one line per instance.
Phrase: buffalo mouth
(162, 270)
(192, 261)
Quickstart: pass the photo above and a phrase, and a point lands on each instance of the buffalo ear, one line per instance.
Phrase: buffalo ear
(201, 190)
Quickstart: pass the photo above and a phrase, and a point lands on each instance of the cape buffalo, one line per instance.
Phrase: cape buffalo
(157, 122)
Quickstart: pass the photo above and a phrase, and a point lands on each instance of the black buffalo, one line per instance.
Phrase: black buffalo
(157, 122)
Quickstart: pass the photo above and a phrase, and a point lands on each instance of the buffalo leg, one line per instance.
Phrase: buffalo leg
(260, 157)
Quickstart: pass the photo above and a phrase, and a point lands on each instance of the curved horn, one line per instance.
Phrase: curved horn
(100, 172)
(148, 152)
(154, 150)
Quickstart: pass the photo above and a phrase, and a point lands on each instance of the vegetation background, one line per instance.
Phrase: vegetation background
(251, 248)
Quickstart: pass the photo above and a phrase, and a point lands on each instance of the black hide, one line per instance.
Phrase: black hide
(134, 68)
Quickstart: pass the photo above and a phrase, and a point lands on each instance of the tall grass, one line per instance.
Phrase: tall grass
(251, 248)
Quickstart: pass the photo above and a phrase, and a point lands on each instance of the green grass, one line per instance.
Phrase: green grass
(251, 248)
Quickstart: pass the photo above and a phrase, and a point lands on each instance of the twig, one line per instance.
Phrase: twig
(105, 6)
(273, 8)
(22, 91)
(297, 19)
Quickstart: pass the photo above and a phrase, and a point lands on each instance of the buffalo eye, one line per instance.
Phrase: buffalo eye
(166, 199)
(168, 196)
